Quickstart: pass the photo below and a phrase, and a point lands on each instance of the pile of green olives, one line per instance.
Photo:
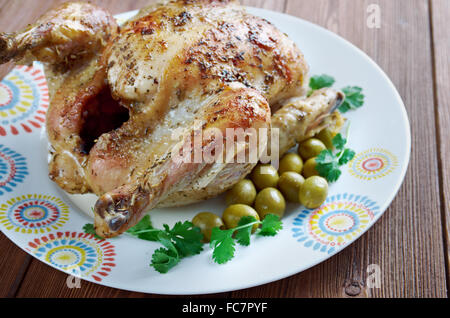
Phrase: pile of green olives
(267, 189)
(303, 186)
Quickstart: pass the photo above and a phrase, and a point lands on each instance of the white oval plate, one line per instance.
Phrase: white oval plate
(41, 219)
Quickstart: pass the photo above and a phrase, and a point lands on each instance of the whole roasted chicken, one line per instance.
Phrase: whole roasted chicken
(118, 94)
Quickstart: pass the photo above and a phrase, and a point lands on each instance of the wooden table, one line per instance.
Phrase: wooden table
(410, 242)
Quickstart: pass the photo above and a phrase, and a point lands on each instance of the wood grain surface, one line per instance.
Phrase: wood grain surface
(410, 242)
(440, 17)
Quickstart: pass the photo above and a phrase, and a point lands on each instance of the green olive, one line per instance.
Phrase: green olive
(309, 169)
(206, 221)
(311, 148)
(326, 136)
(291, 162)
(264, 176)
(313, 192)
(289, 185)
(270, 201)
(233, 214)
(243, 192)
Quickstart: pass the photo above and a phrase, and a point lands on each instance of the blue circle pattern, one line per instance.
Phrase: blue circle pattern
(72, 251)
(327, 230)
(16, 96)
(24, 217)
(5, 169)
(300, 229)
(91, 254)
(14, 222)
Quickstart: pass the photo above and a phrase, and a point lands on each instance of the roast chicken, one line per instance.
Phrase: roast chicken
(119, 94)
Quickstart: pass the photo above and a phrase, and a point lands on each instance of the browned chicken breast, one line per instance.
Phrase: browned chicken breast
(191, 67)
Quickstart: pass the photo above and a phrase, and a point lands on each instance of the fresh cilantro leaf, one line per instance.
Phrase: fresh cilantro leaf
(164, 259)
(329, 163)
(144, 230)
(187, 238)
(321, 81)
(184, 239)
(325, 157)
(346, 156)
(353, 98)
(151, 236)
(270, 225)
(339, 142)
(330, 171)
(144, 224)
(90, 229)
(223, 243)
(243, 234)
(165, 239)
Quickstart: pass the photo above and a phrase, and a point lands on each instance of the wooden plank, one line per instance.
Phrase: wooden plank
(407, 242)
(440, 10)
(43, 281)
(13, 265)
(274, 5)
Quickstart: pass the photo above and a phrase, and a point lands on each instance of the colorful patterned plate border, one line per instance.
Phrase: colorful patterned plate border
(79, 254)
(47, 223)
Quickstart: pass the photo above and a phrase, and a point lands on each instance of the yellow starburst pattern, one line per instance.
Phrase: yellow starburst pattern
(24, 99)
(79, 254)
(33, 214)
(340, 220)
(373, 164)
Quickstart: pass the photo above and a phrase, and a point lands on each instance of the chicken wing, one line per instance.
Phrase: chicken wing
(69, 41)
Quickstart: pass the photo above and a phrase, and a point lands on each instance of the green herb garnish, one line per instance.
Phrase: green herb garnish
(183, 240)
(164, 259)
(145, 230)
(329, 162)
(90, 229)
(223, 242)
(353, 94)
(353, 98)
(320, 81)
